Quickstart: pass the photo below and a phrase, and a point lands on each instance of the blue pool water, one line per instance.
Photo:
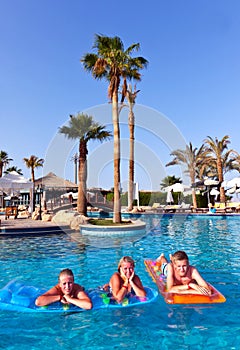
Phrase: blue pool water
(213, 245)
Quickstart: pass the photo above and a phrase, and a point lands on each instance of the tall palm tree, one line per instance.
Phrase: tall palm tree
(13, 168)
(192, 157)
(218, 157)
(32, 163)
(4, 160)
(131, 97)
(83, 128)
(114, 63)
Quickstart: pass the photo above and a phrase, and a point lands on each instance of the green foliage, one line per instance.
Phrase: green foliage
(4, 160)
(157, 197)
(83, 127)
(148, 198)
(170, 180)
(13, 168)
(187, 199)
(144, 198)
(107, 222)
(124, 199)
(202, 201)
(114, 63)
(110, 196)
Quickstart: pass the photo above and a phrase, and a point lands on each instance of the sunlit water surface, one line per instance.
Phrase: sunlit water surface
(213, 245)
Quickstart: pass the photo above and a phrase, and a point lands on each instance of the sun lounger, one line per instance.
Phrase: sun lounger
(200, 210)
(184, 208)
(171, 208)
(225, 208)
(156, 206)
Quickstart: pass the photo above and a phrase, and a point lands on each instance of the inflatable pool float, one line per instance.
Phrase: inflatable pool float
(177, 298)
(17, 296)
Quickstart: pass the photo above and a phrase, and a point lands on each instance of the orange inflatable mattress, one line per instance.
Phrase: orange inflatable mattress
(177, 298)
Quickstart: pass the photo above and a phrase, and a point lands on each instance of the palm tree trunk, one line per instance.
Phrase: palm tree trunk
(192, 179)
(222, 195)
(32, 192)
(220, 179)
(82, 178)
(194, 199)
(131, 159)
(116, 140)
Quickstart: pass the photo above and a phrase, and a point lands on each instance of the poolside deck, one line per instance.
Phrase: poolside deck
(24, 226)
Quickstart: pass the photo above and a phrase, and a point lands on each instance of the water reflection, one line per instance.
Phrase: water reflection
(107, 241)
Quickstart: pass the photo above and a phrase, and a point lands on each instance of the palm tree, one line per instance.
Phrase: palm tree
(83, 128)
(169, 181)
(131, 97)
(236, 162)
(114, 63)
(13, 168)
(219, 158)
(192, 157)
(4, 160)
(32, 163)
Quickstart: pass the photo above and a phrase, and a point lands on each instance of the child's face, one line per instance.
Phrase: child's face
(181, 267)
(66, 284)
(127, 269)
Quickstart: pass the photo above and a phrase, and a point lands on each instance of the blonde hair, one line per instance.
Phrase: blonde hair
(125, 259)
(179, 255)
(66, 272)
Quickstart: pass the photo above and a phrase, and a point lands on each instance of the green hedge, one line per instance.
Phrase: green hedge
(148, 198)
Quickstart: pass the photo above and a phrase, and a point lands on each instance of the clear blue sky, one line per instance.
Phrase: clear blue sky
(193, 77)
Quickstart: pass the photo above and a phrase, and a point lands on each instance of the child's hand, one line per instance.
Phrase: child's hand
(131, 277)
(124, 277)
(64, 300)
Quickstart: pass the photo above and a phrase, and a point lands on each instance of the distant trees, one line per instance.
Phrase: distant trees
(192, 158)
(13, 168)
(212, 159)
(169, 181)
(4, 160)
(32, 163)
(236, 163)
(218, 157)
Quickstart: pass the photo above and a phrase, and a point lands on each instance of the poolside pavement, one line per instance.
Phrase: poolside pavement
(27, 226)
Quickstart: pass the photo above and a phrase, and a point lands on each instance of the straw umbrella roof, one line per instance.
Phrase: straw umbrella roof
(51, 180)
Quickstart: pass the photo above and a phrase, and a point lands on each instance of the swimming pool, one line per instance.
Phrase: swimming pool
(213, 245)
